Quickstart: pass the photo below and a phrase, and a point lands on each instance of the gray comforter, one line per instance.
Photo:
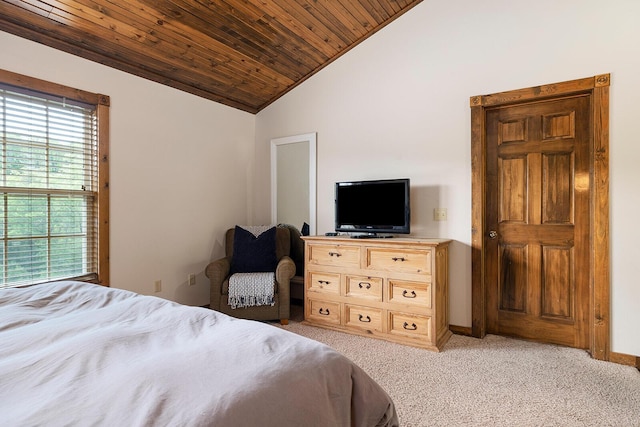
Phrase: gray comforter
(80, 354)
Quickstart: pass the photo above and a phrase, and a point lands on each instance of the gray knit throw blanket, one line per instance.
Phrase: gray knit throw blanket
(251, 289)
(256, 230)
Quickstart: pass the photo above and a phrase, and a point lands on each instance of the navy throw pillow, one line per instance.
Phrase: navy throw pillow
(253, 254)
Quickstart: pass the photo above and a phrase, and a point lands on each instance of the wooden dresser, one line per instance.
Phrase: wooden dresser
(394, 289)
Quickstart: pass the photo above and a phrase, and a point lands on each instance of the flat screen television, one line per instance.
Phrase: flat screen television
(372, 207)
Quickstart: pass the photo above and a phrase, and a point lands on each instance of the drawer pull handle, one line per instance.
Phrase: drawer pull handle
(365, 319)
(364, 285)
(324, 282)
(324, 311)
(401, 259)
(409, 295)
(411, 327)
(336, 254)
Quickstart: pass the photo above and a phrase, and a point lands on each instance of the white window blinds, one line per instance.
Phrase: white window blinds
(48, 188)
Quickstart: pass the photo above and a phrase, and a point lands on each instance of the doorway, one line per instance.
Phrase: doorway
(540, 243)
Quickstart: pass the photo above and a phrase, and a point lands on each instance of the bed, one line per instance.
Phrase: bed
(73, 353)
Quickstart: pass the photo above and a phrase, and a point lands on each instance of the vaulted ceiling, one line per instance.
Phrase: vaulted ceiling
(241, 53)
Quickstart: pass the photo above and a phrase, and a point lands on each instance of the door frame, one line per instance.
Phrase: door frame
(597, 88)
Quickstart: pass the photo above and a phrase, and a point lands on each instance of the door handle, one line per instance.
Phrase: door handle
(493, 234)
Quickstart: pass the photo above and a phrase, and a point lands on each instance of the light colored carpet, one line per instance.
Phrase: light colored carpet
(496, 381)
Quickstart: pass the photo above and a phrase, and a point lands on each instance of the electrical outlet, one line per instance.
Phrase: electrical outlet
(158, 285)
(191, 279)
(440, 214)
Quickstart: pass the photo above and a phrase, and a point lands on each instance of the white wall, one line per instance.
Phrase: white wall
(180, 171)
(398, 105)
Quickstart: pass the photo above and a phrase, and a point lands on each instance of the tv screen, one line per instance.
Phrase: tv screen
(371, 207)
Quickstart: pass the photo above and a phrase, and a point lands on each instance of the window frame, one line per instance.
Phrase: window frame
(102, 104)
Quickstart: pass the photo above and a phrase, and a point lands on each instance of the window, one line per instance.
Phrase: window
(53, 183)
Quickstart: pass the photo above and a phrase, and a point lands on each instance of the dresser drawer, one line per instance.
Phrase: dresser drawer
(410, 325)
(410, 293)
(364, 287)
(324, 282)
(334, 255)
(323, 311)
(400, 260)
(363, 317)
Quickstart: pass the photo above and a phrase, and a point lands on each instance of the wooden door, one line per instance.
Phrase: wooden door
(484, 250)
(537, 217)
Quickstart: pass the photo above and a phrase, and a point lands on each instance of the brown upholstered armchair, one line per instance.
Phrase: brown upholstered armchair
(218, 273)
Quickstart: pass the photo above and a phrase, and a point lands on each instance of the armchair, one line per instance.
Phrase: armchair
(218, 272)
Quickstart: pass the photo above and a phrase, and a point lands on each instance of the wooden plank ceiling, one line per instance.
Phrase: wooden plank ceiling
(241, 53)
